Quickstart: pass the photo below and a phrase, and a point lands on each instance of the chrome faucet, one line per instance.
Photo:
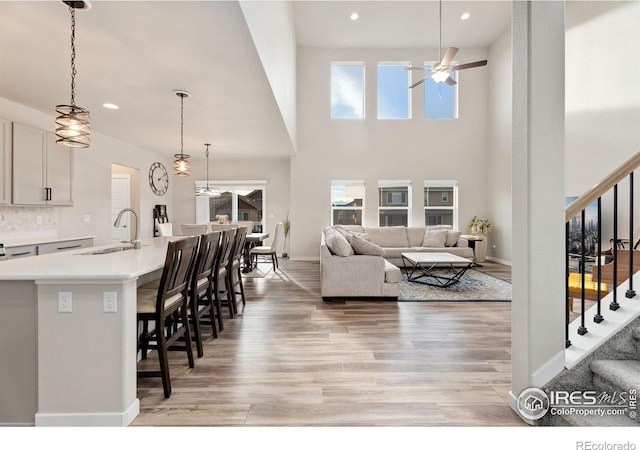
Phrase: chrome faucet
(134, 241)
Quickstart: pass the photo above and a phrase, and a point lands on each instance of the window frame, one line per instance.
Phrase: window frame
(454, 207)
(233, 186)
(383, 184)
(348, 208)
(402, 66)
(364, 87)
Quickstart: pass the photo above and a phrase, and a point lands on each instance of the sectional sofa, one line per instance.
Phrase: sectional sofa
(358, 261)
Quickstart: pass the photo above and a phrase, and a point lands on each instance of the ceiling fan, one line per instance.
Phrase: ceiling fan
(439, 72)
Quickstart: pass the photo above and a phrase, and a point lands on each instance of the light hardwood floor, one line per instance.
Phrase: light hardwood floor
(290, 359)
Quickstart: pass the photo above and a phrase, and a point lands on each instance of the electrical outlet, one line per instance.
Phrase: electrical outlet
(38, 220)
(110, 302)
(64, 302)
(87, 218)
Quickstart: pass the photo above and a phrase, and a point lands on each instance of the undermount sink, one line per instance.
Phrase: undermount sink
(104, 251)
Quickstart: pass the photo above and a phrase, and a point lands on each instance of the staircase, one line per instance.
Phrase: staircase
(610, 371)
(601, 379)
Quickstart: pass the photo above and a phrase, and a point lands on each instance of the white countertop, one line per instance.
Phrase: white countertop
(76, 265)
(37, 241)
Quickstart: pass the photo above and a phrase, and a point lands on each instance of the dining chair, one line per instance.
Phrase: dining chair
(192, 229)
(234, 270)
(166, 304)
(215, 226)
(268, 250)
(221, 285)
(201, 298)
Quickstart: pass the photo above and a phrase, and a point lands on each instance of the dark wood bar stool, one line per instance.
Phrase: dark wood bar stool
(234, 270)
(201, 298)
(166, 304)
(221, 285)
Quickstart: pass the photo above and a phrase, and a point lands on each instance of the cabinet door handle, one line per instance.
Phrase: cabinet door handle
(70, 247)
(50, 190)
(20, 254)
(47, 194)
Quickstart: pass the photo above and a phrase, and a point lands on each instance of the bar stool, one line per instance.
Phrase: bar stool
(221, 285)
(166, 304)
(201, 298)
(234, 271)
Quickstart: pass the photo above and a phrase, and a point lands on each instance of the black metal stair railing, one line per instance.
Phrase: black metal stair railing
(583, 272)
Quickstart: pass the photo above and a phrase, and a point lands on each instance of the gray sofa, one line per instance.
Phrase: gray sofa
(373, 270)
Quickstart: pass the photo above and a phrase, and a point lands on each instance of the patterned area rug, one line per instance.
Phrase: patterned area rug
(473, 286)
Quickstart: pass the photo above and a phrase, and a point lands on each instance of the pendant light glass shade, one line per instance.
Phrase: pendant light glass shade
(72, 122)
(207, 191)
(181, 164)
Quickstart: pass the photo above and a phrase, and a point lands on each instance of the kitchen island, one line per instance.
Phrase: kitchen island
(68, 334)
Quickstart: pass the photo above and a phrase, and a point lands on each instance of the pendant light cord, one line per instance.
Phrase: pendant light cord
(206, 153)
(73, 55)
(181, 123)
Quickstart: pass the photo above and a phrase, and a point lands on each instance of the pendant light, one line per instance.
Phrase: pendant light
(181, 164)
(208, 191)
(72, 122)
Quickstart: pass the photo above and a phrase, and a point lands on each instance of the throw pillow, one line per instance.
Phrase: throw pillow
(362, 246)
(434, 238)
(338, 244)
(452, 238)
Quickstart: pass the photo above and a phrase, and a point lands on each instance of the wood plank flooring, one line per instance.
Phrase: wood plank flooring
(290, 359)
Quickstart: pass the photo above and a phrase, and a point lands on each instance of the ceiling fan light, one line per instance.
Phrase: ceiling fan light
(440, 77)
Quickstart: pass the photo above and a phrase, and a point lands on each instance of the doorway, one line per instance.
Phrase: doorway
(124, 194)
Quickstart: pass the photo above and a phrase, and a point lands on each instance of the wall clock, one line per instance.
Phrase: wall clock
(158, 178)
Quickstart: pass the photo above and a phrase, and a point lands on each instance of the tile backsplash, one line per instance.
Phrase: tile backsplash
(27, 222)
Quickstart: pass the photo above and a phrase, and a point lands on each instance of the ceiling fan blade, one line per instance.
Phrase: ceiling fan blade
(450, 81)
(451, 52)
(469, 65)
(419, 82)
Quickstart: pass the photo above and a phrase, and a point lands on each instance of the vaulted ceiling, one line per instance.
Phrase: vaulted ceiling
(136, 53)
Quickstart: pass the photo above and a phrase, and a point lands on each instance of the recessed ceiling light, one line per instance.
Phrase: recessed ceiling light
(354, 16)
(110, 106)
(465, 16)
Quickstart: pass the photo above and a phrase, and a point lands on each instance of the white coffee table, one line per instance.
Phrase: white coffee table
(421, 268)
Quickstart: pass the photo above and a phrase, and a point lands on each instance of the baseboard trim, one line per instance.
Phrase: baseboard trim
(513, 403)
(122, 419)
(498, 260)
(548, 371)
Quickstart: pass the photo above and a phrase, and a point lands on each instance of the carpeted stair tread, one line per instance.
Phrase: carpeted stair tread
(636, 333)
(625, 374)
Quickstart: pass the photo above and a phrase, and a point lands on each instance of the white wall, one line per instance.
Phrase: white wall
(373, 150)
(499, 148)
(273, 32)
(602, 100)
(275, 171)
(92, 181)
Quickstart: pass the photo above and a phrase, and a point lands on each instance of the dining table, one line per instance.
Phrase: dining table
(253, 240)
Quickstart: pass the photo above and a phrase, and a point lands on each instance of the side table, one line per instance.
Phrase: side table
(472, 243)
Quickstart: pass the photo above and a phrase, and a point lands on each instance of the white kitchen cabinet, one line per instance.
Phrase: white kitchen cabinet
(62, 246)
(5, 162)
(21, 251)
(42, 170)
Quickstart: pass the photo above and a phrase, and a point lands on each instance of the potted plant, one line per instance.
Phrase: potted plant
(480, 227)
(286, 227)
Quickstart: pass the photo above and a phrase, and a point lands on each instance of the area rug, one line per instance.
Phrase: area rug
(261, 271)
(473, 286)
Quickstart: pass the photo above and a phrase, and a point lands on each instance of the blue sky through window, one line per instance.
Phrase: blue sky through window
(440, 99)
(347, 91)
(393, 95)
